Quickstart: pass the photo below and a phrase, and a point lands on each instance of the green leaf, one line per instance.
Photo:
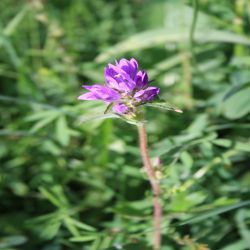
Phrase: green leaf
(10, 241)
(241, 218)
(51, 197)
(238, 245)
(83, 238)
(41, 115)
(241, 146)
(199, 124)
(86, 118)
(184, 201)
(237, 105)
(214, 212)
(47, 225)
(70, 226)
(187, 159)
(13, 24)
(7, 45)
(44, 218)
(49, 230)
(62, 131)
(42, 124)
(81, 225)
(131, 121)
(42, 118)
(156, 37)
(163, 105)
(235, 89)
(109, 107)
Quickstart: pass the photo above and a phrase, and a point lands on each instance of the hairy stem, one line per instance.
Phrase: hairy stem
(154, 184)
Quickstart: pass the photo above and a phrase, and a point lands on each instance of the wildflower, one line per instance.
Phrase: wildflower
(126, 88)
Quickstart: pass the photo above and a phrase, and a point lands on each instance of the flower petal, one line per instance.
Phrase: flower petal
(128, 66)
(127, 86)
(147, 94)
(103, 93)
(118, 78)
(110, 75)
(120, 108)
(134, 63)
(88, 96)
(141, 79)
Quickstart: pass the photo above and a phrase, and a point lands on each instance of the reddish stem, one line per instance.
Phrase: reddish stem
(154, 184)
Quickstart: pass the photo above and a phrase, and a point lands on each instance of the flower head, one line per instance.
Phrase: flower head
(126, 87)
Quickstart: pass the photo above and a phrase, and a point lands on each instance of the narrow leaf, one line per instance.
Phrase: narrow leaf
(109, 107)
(81, 225)
(50, 197)
(13, 24)
(83, 238)
(62, 131)
(96, 117)
(152, 38)
(215, 212)
(164, 105)
(42, 123)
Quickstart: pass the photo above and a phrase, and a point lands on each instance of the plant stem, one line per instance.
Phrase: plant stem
(194, 22)
(154, 184)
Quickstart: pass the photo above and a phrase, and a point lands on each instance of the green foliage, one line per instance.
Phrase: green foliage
(72, 179)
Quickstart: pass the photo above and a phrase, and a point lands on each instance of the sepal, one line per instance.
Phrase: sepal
(161, 104)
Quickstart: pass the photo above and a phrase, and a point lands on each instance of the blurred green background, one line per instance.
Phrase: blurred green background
(70, 183)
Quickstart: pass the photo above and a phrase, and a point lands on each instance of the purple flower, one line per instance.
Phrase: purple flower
(126, 87)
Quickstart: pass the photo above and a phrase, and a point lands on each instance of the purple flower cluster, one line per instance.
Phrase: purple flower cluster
(126, 87)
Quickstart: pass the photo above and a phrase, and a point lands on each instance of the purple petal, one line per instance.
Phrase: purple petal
(88, 96)
(118, 79)
(120, 108)
(127, 86)
(128, 66)
(134, 63)
(113, 71)
(103, 93)
(147, 94)
(110, 75)
(141, 79)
